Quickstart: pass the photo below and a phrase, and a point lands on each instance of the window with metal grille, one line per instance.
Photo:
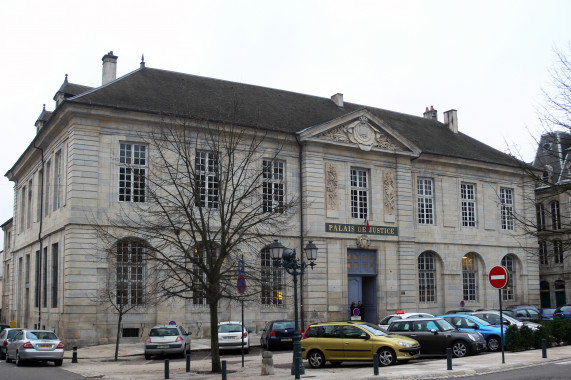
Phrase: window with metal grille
(426, 278)
(130, 271)
(507, 206)
(425, 200)
(206, 180)
(469, 277)
(273, 280)
(468, 196)
(55, 273)
(543, 253)
(557, 251)
(273, 187)
(359, 194)
(130, 332)
(203, 258)
(508, 292)
(540, 216)
(132, 172)
(555, 215)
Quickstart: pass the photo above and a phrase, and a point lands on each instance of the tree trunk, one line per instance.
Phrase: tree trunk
(118, 337)
(215, 352)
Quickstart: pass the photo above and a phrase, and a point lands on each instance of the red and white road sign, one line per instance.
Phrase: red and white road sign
(498, 277)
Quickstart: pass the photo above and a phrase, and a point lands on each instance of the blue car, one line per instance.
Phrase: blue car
(465, 322)
(547, 313)
(562, 312)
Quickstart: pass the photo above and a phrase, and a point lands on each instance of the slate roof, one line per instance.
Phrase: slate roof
(554, 155)
(154, 90)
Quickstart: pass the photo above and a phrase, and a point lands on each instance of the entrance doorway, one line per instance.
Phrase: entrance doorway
(362, 280)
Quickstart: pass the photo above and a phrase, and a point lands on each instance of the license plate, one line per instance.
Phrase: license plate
(45, 345)
(163, 346)
(286, 340)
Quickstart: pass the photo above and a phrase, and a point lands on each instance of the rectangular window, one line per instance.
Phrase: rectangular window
(130, 272)
(22, 208)
(555, 216)
(45, 278)
(507, 201)
(543, 253)
(55, 273)
(540, 216)
(426, 278)
(202, 259)
(38, 275)
(132, 172)
(273, 187)
(273, 280)
(47, 188)
(206, 179)
(39, 195)
(57, 181)
(469, 277)
(425, 197)
(130, 332)
(468, 196)
(557, 252)
(29, 207)
(359, 194)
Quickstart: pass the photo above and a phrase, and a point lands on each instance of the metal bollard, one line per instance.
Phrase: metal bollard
(74, 355)
(543, 348)
(449, 359)
(187, 362)
(376, 364)
(166, 369)
(223, 369)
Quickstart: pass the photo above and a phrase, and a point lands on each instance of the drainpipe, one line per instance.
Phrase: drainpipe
(39, 286)
(301, 229)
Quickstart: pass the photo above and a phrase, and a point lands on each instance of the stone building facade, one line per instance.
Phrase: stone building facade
(408, 213)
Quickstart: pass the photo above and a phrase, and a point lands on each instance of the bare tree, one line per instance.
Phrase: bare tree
(213, 197)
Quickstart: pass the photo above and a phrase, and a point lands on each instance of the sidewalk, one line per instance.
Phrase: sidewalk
(97, 361)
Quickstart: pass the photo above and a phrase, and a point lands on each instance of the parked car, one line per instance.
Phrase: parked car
(166, 340)
(493, 317)
(435, 335)
(35, 345)
(526, 313)
(5, 336)
(386, 321)
(230, 336)
(466, 322)
(354, 341)
(277, 334)
(562, 312)
(547, 313)
(459, 311)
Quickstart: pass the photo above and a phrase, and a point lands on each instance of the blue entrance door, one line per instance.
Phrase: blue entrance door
(362, 280)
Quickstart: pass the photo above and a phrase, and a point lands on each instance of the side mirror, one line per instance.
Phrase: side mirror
(249, 331)
(434, 331)
(262, 330)
(507, 323)
(365, 337)
(189, 333)
(475, 327)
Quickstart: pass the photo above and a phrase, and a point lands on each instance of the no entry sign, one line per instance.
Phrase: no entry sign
(498, 277)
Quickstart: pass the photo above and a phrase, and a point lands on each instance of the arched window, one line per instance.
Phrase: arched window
(508, 293)
(540, 216)
(273, 280)
(470, 277)
(426, 277)
(557, 252)
(555, 216)
(204, 260)
(130, 270)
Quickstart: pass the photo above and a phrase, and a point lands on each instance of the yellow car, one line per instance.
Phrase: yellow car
(337, 342)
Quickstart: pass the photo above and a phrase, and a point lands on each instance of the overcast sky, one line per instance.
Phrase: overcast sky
(486, 59)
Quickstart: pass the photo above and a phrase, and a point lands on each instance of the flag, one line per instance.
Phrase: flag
(367, 224)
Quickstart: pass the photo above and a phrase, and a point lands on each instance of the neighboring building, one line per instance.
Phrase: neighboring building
(553, 217)
(5, 257)
(407, 212)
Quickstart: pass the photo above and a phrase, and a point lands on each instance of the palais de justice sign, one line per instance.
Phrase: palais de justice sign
(361, 229)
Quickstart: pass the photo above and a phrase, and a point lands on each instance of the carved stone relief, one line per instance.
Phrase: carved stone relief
(331, 185)
(362, 134)
(389, 191)
(363, 241)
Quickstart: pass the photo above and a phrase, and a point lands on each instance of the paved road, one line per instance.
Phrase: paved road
(9, 371)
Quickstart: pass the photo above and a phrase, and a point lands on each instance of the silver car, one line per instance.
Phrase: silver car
(167, 339)
(35, 345)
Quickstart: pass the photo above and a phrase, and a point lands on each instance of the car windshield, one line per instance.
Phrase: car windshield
(166, 331)
(373, 329)
(444, 325)
(41, 335)
(228, 328)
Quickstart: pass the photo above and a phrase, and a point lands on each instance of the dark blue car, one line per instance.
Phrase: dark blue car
(562, 312)
(277, 334)
(465, 322)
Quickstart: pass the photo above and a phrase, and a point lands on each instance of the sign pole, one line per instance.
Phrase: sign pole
(501, 327)
(499, 279)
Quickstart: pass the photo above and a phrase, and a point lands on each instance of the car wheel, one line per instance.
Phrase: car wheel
(147, 357)
(386, 357)
(460, 349)
(316, 359)
(493, 343)
(19, 361)
(58, 362)
(2, 354)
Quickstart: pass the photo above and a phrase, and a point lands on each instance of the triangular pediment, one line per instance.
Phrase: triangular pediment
(361, 129)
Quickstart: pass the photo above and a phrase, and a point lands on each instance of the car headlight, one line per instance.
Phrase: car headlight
(405, 344)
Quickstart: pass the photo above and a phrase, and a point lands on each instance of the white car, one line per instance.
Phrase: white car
(386, 321)
(167, 339)
(493, 317)
(230, 335)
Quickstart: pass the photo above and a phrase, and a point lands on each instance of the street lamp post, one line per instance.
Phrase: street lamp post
(294, 267)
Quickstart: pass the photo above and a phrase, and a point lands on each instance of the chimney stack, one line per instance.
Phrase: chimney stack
(451, 120)
(338, 99)
(109, 68)
(431, 113)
